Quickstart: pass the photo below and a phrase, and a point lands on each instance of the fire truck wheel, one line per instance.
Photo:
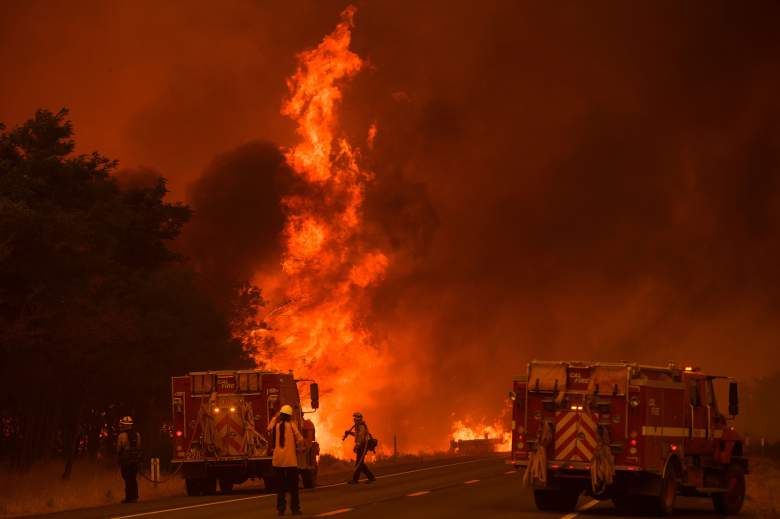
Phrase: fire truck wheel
(563, 500)
(225, 486)
(269, 480)
(730, 502)
(209, 486)
(193, 486)
(627, 503)
(309, 478)
(664, 503)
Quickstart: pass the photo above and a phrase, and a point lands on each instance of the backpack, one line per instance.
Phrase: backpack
(372, 442)
(131, 454)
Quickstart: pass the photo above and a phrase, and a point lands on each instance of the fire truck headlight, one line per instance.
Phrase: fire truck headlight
(634, 401)
(232, 409)
(216, 409)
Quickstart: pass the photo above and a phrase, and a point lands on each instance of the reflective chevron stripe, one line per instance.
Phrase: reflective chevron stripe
(575, 436)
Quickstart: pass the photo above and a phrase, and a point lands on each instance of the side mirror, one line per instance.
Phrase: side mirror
(733, 398)
(314, 392)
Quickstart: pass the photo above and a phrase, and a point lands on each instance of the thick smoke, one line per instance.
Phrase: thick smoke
(552, 180)
(238, 216)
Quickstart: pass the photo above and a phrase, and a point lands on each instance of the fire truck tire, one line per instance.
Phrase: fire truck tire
(627, 503)
(209, 486)
(730, 502)
(563, 500)
(225, 486)
(309, 478)
(269, 480)
(664, 502)
(194, 487)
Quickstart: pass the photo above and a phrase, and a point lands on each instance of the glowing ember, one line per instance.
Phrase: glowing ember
(327, 267)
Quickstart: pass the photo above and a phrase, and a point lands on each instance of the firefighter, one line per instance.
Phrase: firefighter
(360, 431)
(128, 447)
(285, 438)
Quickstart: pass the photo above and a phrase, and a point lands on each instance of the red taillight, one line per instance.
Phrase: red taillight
(633, 443)
(674, 448)
(178, 434)
(556, 466)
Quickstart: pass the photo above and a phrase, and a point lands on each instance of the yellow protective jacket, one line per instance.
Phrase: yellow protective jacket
(286, 456)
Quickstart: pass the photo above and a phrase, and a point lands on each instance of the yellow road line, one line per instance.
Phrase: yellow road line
(471, 482)
(420, 493)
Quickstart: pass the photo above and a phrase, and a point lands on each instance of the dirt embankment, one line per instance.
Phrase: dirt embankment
(41, 489)
(763, 488)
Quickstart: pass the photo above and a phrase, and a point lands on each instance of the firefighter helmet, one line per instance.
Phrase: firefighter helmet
(357, 415)
(127, 421)
(286, 409)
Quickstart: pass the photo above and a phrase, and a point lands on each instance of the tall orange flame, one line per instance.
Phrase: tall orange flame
(327, 267)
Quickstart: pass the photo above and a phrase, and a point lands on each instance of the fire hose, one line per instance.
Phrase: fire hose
(537, 459)
(147, 478)
(602, 467)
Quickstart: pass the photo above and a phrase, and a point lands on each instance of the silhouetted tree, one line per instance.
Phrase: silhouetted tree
(96, 311)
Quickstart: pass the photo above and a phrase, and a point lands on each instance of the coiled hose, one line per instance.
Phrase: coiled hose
(537, 459)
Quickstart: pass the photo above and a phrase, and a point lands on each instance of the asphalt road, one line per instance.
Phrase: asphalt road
(483, 487)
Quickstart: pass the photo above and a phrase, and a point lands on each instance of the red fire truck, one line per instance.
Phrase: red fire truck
(639, 435)
(220, 420)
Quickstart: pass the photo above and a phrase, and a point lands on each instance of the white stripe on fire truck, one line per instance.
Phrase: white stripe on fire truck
(564, 443)
(563, 454)
(566, 418)
(585, 451)
(649, 430)
(565, 435)
(590, 439)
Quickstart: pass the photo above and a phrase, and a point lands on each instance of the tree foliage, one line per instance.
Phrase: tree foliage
(96, 311)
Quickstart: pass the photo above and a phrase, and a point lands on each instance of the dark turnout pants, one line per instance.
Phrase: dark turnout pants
(361, 467)
(129, 474)
(287, 481)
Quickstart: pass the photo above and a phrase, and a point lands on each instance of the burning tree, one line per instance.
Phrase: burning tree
(327, 265)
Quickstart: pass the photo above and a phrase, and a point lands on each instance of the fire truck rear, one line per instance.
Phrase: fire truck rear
(220, 420)
(639, 435)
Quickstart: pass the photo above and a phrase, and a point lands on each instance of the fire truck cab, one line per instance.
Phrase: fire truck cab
(639, 435)
(220, 420)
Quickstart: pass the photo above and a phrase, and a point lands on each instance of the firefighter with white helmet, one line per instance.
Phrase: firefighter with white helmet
(128, 447)
(364, 443)
(285, 439)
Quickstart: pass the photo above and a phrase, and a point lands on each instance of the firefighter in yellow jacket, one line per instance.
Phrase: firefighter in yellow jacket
(285, 438)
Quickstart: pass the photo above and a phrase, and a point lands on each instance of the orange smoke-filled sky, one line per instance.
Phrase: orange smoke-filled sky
(566, 180)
